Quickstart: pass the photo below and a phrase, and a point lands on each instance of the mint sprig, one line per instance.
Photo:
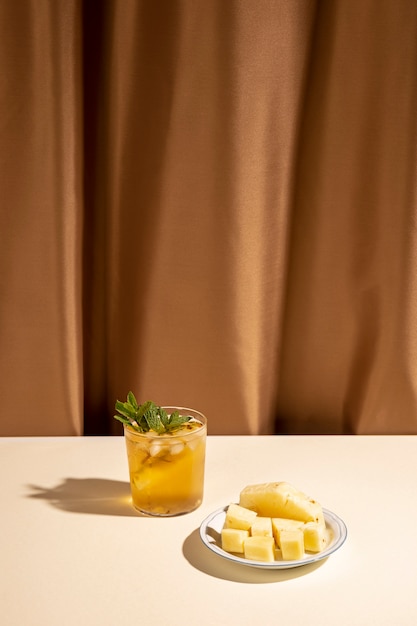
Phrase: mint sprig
(148, 416)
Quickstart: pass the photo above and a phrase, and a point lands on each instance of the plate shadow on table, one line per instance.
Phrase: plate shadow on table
(99, 496)
(200, 557)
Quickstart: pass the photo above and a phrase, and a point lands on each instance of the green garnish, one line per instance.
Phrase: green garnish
(148, 416)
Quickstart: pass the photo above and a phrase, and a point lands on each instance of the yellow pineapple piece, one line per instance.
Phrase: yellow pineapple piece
(233, 539)
(280, 499)
(314, 537)
(280, 524)
(261, 527)
(259, 548)
(239, 517)
(292, 544)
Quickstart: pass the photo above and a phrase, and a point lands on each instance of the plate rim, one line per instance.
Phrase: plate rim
(330, 518)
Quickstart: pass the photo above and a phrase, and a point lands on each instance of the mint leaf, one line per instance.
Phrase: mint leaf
(164, 416)
(143, 409)
(132, 400)
(148, 416)
(122, 419)
(176, 420)
(153, 420)
(124, 409)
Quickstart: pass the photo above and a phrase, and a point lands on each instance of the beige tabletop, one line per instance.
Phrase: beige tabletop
(74, 552)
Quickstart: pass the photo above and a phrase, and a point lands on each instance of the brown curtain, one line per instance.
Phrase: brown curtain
(212, 203)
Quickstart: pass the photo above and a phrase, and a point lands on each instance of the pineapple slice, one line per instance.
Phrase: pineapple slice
(239, 517)
(233, 539)
(314, 537)
(261, 527)
(259, 548)
(280, 499)
(292, 544)
(280, 524)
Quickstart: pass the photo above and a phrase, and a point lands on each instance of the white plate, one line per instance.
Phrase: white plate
(210, 533)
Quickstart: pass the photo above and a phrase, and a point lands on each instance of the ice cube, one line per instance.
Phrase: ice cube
(176, 447)
(157, 448)
(193, 443)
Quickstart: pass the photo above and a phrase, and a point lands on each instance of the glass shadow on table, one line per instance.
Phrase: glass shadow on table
(99, 496)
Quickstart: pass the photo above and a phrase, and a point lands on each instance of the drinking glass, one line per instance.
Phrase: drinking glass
(167, 470)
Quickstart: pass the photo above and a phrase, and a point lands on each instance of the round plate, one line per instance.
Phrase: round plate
(211, 528)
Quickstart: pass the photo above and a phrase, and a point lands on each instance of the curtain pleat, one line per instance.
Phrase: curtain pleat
(198, 172)
(40, 218)
(349, 359)
(212, 204)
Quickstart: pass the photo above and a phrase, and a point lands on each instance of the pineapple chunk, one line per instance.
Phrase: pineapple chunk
(277, 553)
(314, 537)
(233, 539)
(292, 544)
(280, 499)
(279, 524)
(261, 527)
(239, 517)
(259, 548)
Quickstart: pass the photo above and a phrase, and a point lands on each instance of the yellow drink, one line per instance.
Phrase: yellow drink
(167, 471)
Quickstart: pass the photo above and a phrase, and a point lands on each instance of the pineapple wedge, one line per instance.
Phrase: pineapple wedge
(314, 537)
(280, 499)
(280, 524)
(261, 527)
(239, 517)
(259, 549)
(292, 544)
(233, 539)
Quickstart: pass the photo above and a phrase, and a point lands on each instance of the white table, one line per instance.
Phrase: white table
(74, 552)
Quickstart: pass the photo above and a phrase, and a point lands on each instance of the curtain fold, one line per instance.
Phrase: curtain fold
(199, 214)
(212, 204)
(41, 218)
(349, 359)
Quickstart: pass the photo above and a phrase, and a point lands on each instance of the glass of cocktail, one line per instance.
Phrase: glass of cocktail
(167, 468)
